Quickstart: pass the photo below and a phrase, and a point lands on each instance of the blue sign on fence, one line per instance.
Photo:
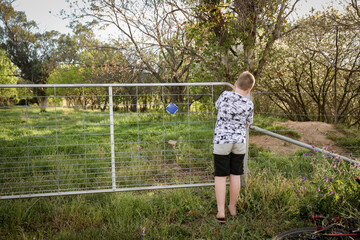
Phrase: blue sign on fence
(172, 108)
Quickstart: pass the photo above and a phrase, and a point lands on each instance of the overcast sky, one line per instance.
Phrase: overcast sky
(46, 13)
(39, 11)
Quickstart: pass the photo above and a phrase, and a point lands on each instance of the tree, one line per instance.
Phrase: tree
(314, 73)
(7, 76)
(240, 34)
(31, 51)
(352, 18)
(88, 60)
(66, 74)
(152, 35)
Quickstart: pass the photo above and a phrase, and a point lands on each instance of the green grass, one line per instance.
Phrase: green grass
(272, 201)
(349, 139)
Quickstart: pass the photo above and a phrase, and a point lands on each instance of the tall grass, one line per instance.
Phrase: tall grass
(275, 197)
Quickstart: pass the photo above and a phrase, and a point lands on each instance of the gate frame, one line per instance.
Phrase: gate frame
(112, 142)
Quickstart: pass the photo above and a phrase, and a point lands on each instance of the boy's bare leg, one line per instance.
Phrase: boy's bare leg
(220, 192)
(234, 193)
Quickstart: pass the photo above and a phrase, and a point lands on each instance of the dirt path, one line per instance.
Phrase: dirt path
(313, 133)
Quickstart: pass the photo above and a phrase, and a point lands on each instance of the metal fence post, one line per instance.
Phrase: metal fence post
(84, 127)
(243, 177)
(112, 141)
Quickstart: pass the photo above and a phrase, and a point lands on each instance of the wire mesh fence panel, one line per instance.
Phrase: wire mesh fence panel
(101, 138)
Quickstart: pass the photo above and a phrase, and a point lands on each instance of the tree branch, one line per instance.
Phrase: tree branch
(329, 61)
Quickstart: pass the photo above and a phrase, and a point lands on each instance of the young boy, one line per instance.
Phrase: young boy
(235, 114)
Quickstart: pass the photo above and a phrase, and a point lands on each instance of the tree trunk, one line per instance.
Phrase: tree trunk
(105, 103)
(133, 105)
(144, 104)
(43, 103)
(42, 98)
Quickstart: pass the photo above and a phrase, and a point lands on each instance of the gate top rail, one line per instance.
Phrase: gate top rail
(114, 85)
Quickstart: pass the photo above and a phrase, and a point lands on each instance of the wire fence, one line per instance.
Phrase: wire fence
(71, 139)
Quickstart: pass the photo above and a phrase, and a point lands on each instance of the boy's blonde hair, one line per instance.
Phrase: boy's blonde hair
(245, 81)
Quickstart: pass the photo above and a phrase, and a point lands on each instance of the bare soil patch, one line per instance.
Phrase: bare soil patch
(313, 133)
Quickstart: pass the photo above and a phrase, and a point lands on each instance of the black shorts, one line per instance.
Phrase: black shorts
(229, 164)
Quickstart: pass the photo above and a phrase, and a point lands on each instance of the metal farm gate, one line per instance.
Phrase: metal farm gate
(74, 139)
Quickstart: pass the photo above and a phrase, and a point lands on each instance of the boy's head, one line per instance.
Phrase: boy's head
(245, 81)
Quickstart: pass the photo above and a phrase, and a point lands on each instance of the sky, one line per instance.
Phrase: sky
(46, 13)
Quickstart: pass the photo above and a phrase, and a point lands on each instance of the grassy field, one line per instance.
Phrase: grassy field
(281, 192)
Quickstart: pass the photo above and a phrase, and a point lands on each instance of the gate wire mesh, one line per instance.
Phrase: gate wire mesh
(101, 138)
